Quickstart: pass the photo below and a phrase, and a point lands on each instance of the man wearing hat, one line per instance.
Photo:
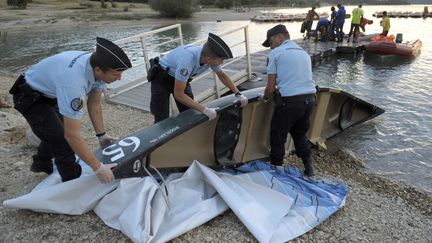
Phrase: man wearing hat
(51, 95)
(179, 66)
(289, 73)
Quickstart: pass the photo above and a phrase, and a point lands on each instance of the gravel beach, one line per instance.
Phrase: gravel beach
(376, 210)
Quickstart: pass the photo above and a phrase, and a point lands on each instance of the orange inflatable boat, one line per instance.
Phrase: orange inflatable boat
(384, 45)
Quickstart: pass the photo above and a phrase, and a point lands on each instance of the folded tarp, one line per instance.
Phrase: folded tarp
(276, 204)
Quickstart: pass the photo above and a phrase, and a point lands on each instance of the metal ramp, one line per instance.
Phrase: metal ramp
(134, 90)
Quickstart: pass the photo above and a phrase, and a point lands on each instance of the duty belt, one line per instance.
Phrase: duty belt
(297, 98)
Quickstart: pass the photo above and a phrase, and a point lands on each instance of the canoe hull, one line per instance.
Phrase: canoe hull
(238, 134)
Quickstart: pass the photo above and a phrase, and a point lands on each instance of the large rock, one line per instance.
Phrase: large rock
(12, 128)
(31, 137)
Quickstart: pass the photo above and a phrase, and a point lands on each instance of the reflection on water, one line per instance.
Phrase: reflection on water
(396, 144)
(23, 49)
(386, 61)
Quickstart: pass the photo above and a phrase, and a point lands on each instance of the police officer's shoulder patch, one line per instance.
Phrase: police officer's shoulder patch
(77, 104)
(184, 72)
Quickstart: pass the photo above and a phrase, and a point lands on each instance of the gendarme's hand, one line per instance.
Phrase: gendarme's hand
(105, 140)
(210, 113)
(104, 172)
(241, 99)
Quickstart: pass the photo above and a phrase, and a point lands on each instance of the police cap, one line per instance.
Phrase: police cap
(219, 47)
(111, 55)
(278, 29)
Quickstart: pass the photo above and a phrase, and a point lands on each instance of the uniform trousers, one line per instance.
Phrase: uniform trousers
(161, 88)
(293, 116)
(354, 30)
(308, 25)
(339, 34)
(47, 124)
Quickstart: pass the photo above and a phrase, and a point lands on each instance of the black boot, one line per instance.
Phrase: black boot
(41, 166)
(308, 165)
(70, 176)
(276, 163)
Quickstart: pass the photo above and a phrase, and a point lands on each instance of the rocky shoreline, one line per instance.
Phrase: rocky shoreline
(376, 210)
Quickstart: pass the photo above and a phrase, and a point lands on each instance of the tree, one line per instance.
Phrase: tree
(225, 3)
(17, 3)
(207, 2)
(172, 8)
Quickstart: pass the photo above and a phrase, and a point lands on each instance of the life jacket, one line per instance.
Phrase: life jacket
(383, 38)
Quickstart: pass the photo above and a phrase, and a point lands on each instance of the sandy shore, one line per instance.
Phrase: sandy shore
(377, 210)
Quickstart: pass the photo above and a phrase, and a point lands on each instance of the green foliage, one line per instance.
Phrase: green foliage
(113, 4)
(17, 3)
(303, 3)
(207, 2)
(133, 1)
(103, 4)
(173, 9)
(225, 4)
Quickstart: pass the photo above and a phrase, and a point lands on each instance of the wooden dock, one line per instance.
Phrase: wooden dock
(138, 96)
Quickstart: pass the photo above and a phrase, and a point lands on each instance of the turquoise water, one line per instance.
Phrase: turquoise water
(396, 144)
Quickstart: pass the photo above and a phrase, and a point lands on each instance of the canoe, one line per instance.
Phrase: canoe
(236, 136)
(384, 47)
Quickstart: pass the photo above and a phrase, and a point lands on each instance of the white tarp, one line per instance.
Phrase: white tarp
(275, 204)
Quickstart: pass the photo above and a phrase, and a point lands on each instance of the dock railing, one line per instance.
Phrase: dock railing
(131, 81)
(215, 91)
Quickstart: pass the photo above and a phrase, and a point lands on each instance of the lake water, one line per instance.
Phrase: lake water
(396, 144)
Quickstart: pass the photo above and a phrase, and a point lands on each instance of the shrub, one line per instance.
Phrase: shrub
(172, 8)
(17, 3)
(113, 4)
(225, 3)
(86, 4)
(103, 4)
(207, 2)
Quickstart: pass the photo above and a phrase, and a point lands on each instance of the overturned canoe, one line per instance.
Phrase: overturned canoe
(237, 135)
